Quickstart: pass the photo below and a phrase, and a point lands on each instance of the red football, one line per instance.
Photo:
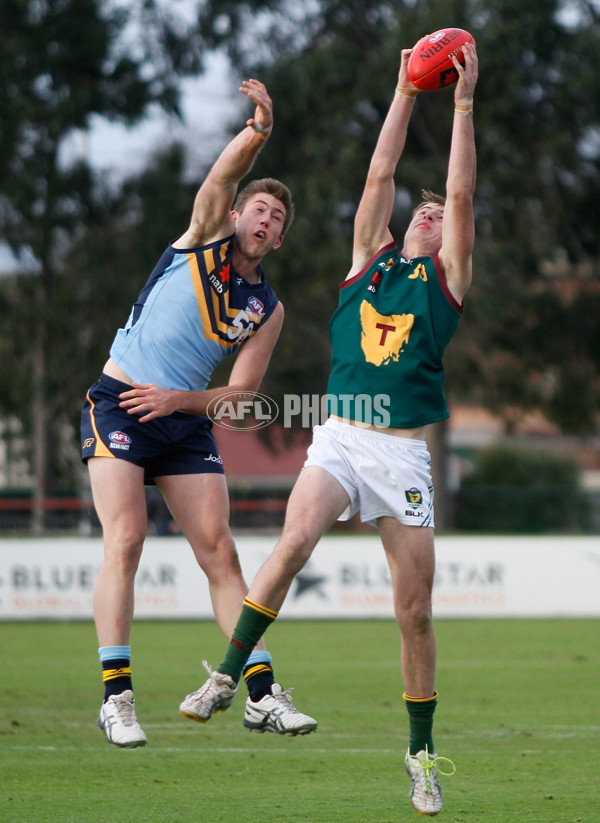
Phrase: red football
(430, 66)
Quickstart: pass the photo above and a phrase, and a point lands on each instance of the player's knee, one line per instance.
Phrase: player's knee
(415, 619)
(123, 548)
(219, 558)
(295, 548)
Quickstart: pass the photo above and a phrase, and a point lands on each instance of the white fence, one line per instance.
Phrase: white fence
(347, 577)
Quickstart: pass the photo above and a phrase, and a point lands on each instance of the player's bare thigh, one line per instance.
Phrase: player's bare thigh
(199, 504)
(410, 554)
(119, 497)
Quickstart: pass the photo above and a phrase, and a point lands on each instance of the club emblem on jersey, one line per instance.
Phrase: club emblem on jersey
(414, 497)
(383, 337)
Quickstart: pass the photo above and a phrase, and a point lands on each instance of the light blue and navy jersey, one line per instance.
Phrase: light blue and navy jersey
(193, 312)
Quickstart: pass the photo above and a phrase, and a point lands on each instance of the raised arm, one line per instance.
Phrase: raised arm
(211, 216)
(371, 224)
(458, 230)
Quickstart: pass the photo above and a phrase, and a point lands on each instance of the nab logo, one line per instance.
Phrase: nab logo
(216, 284)
(120, 437)
(375, 281)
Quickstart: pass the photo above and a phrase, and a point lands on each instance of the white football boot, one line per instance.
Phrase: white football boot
(426, 792)
(216, 695)
(275, 712)
(118, 721)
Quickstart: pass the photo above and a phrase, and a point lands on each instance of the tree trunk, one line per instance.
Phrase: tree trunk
(40, 410)
(437, 442)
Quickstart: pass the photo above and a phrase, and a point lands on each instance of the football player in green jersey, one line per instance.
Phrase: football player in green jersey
(399, 306)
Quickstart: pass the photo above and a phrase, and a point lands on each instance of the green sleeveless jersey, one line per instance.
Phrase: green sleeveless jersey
(388, 336)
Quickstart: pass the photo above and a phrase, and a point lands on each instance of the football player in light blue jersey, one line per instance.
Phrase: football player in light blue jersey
(145, 420)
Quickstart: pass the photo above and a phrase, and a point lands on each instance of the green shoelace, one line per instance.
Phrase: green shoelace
(427, 765)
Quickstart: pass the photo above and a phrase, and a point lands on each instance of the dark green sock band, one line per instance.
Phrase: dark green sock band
(420, 713)
(253, 623)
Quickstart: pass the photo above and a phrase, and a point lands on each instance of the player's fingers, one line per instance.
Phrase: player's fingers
(459, 68)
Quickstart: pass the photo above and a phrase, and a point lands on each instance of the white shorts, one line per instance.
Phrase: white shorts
(382, 475)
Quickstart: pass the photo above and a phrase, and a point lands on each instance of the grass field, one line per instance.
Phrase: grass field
(518, 713)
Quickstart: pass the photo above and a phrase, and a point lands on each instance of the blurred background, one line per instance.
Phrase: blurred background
(111, 113)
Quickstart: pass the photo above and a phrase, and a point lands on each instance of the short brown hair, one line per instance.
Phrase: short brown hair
(429, 197)
(268, 185)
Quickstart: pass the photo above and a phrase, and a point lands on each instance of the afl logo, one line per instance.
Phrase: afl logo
(119, 437)
(242, 410)
(257, 307)
(437, 36)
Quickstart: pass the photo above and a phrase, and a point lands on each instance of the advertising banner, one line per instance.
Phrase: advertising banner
(347, 577)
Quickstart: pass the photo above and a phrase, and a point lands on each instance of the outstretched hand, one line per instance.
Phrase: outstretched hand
(150, 400)
(403, 82)
(467, 74)
(263, 116)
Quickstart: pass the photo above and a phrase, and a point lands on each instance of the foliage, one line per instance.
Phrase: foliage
(109, 263)
(521, 490)
(529, 338)
(62, 62)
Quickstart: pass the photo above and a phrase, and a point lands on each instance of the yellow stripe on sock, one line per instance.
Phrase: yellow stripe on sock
(262, 609)
(420, 699)
(112, 674)
(260, 667)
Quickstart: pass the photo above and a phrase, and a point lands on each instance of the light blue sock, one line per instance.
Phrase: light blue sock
(114, 653)
(259, 657)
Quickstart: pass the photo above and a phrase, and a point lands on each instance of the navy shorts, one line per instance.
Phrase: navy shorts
(178, 444)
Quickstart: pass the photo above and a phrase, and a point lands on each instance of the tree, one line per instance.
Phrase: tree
(63, 61)
(529, 338)
(108, 263)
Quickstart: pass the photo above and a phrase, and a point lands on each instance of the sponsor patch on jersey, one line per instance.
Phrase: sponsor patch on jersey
(214, 458)
(219, 279)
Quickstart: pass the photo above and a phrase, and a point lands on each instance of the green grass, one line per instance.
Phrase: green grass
(518, 713)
